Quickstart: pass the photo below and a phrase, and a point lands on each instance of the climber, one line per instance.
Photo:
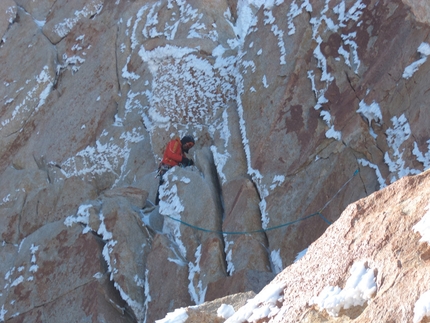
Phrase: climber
(174, 155)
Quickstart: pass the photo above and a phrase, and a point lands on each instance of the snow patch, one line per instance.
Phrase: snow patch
(422, 307)
(396, 136)
(197, 293)
(225, 311)
(179, 315)
(64, 27)
(263, 305)
(359, 288)
(275, 257)
(424, 50)
(423, 226)
(381, 180)
(301, 254)
(422, 158)
(371, 112)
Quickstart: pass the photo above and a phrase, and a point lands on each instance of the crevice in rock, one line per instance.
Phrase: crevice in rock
(359, 175)
(352, 87)
(218, 189)
(116, 59)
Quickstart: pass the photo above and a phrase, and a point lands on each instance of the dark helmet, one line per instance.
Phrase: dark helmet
(187, 138)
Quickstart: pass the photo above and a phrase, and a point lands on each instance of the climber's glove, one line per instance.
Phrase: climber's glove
(187, 162)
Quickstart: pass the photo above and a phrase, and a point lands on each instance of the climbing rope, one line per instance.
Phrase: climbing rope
(271, 228)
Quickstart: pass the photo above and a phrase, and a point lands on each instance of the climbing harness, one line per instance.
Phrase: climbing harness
(319, 213)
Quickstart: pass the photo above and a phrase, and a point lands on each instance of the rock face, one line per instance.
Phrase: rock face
(299, 108)
(387, 232)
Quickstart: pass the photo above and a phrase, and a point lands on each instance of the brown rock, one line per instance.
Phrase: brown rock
(127, 249)
(135, 196)
(49, 264)
(165, 264)
(240, 282)
(242, 214)
(207, 312)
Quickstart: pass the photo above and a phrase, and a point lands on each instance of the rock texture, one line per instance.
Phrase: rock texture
(299, 108)
(381, 231)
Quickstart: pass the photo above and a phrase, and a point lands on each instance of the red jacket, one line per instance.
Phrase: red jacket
(173, 154)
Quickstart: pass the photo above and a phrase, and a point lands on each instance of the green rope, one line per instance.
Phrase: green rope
(271, 228)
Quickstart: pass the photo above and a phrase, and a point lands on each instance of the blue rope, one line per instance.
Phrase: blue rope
(271, 228)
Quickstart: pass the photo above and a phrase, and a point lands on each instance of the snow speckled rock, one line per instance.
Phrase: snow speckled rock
(53, 266)
(200, 241)
(25, 89)
(339, 95)
(286, 100)
(8, 11)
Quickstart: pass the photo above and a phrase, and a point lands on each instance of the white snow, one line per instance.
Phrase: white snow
(423, 226)
(300, 255)
(424, 50)
(197, 293)
(275, 257)
(228, 255)
(396, 136)
(225, 311)
(64, 27)
(264, 304)
(332, 133)
(17, 281)
(220, 161)
(372, 112)
(381, 180)
(359, 289)
(148, 297)
(294, 12)
(422, 307)
(422, 158)
(2, 313)
(179, 315)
